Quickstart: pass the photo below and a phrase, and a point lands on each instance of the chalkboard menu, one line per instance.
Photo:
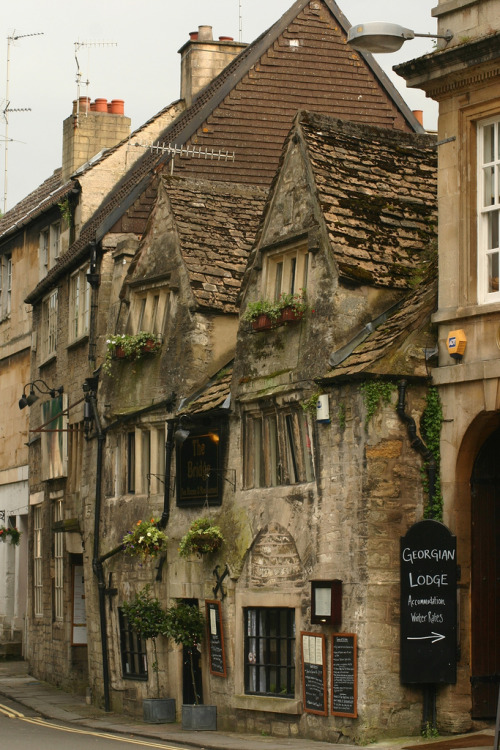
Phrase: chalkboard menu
(344, 675)
(216, 638)
(314, 673)
(428, 604)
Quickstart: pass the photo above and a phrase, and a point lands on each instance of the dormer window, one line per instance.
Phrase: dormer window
(49, 247)
(149, 310)
(489, 211)
(286, 270)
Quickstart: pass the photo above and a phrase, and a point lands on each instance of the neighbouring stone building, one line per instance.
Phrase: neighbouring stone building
(166, 252)
(464, 79)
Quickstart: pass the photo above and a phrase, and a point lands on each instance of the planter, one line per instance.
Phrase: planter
(158, 710)
(199, 718)
(290, 315)
(119, 353)
(149, 346)
(262, 323)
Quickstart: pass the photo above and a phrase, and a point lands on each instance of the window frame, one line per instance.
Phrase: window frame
(488, 215)
(149, 310)
(258, 651)
(79, 304)
(277, 447)
(5, 285)
(133, 651)
(37, 561)
(58, 562)
(286, 269)
(49, 246)
(49, 322)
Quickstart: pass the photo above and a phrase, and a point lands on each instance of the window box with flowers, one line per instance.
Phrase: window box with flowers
(130, 346)
(202, 538)
(266, 314)
(10, 533)
(145, 540)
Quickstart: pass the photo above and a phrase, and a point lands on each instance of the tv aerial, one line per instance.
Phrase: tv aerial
(79, 82)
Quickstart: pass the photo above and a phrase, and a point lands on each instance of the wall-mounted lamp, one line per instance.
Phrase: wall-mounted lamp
(385, 37)
(44, 389)
(326, 602)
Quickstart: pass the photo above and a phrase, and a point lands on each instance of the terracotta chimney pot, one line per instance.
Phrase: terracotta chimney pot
(117, 107)
(84, 103)
(226, 39)
(419, 116)
(101, 105)
(193, 35)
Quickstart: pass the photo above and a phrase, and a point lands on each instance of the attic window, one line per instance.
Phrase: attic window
(149, 311)
(286, 271)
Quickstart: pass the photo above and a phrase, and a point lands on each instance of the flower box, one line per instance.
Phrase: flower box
(262, 323)
(290, 314)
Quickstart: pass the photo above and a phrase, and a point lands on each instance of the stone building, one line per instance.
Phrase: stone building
(463, 78)
(166, 252)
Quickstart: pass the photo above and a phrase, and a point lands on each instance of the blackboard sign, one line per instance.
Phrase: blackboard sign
(344, 675)
(428, 604)
(217, 654)
(314, 673)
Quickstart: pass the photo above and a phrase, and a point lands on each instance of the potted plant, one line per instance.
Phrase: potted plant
(145, 540)
(185, 624)
(147, 618)
(11, 533)
(201, 538)
(292, 306)
(261, 314)
(130, 346)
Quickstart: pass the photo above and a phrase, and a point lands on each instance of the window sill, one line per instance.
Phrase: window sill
(48, 360)
(268, 704)
(78, 341)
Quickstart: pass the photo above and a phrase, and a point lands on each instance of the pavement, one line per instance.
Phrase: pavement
(54, 704)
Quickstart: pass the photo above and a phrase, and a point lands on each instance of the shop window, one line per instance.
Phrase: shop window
(277, 448)
(286, 271)
(270, 651)
(49, 325)
(489, 211)
(133, 651)
(37, 561)
(79, 304)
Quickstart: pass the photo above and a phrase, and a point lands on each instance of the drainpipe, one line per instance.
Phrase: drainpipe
(169, 444)
(415, 442)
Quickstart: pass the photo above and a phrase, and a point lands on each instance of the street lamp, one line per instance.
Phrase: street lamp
(31, 397)
(385, 37)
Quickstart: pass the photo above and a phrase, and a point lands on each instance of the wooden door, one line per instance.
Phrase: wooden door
(485, 579)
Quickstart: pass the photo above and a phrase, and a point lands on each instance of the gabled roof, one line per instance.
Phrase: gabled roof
(377, 192)
(302, 60)
(46, 196)
(214, 395)
(397, 346)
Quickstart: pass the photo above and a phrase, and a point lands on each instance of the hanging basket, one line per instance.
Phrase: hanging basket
(11, 534)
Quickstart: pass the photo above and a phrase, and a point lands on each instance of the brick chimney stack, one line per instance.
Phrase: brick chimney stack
(91, 128)
(203, 58)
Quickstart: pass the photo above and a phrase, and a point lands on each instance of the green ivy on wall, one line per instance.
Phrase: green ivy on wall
(430, 428)
(374, 391)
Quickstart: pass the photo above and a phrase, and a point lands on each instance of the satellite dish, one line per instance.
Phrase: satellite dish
(378, 37)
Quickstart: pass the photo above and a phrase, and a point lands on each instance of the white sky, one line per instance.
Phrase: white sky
(143, 69)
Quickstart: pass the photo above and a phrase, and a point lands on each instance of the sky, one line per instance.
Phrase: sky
(129, 50)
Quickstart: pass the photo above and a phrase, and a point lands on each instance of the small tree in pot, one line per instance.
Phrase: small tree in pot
(186, 626)
(147, 618)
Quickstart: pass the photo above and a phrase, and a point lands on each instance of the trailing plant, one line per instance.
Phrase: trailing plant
(374, 391)
(310, 405)
(429, 731)
(147, 618)
(341, 415)
(65, 209)
(201, 538)
(274, 308)
(185, 624)
(132, 345)
(430, 428)
(145, 540)
(10, 533)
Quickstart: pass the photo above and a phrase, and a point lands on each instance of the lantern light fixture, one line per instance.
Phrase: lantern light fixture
(27, 399)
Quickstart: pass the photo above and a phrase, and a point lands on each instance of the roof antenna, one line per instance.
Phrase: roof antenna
(12, 38)
(240, 25)
(79, 73)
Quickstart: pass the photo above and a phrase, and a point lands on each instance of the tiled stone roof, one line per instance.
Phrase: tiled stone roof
(216, 223)
(48, 194)
(377, 192)
(213, 395)
(397, 346)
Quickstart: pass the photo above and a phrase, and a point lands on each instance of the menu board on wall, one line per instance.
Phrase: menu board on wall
(217, 654)
(79, 630)
(344, 675)
(314, 673)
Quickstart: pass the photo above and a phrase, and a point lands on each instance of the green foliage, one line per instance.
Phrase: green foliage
(310, 405)
(10, 533)
(145, 540)
(149, 620)
(341, 415)
(429, 731)
(274, 308)
(65, 209)
(374, 391)
(131, 346)
(201, 538)
(185, 624)
(430, 428)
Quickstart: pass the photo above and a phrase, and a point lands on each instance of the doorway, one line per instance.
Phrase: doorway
(485, 578)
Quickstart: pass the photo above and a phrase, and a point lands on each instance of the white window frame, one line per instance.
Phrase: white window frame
(37, 561)
(5, 285)
(49, 324)
(149, 310)
(286, 270)
(49, 246)
(58, 563)
(79, 304)
(488, 213)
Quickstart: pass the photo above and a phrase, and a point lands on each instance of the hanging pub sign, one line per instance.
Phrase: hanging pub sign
(198, 474)
(428, 604)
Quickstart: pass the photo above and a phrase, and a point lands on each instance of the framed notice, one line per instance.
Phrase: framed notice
(313, 648)
(344, 675)
(79, 628)
(217, 654)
